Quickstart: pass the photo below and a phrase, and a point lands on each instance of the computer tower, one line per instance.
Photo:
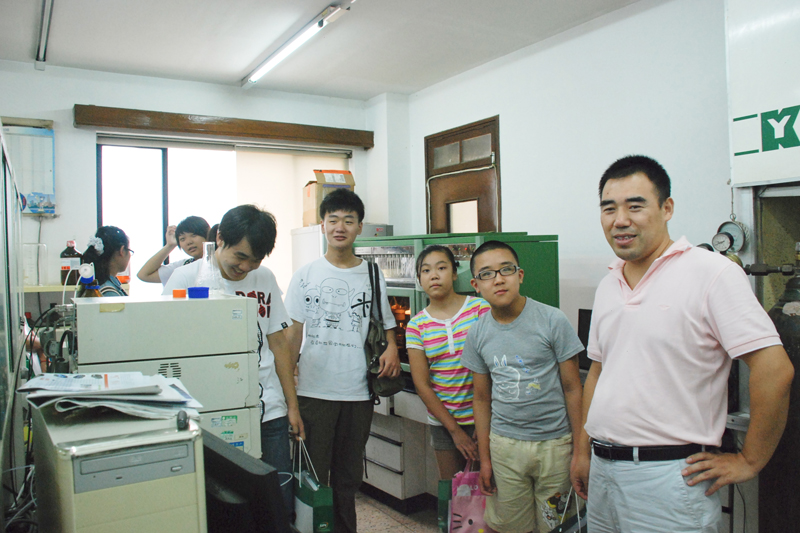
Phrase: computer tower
(99, 471)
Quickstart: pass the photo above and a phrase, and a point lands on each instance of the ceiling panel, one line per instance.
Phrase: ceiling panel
(378, 46)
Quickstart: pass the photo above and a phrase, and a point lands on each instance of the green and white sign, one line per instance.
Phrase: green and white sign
(764, 90)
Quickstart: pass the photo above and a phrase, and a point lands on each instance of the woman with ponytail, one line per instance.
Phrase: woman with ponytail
(108, 251)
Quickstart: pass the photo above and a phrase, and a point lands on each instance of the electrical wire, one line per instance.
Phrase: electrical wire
(19, 513)
(39, 241)
(744, 509)
(14, 380)
(32, 523)
(64, 291)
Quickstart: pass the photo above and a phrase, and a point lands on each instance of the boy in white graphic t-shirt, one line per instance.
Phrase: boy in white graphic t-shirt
(332, 297)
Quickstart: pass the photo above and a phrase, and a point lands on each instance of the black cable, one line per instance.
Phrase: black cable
(67, 333)
(744, 510)
(22, 521)
(14, 381)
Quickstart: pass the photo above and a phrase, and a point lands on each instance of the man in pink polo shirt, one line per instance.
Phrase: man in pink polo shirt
(667, 321)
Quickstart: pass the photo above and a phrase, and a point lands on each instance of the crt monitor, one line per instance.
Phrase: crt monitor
(243, 494)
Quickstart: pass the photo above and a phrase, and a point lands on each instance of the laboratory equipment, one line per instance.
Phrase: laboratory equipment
(779, 481)
(209, 344)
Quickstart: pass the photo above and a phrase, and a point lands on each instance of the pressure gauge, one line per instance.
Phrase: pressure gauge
(737, 231)
(706, 246)
(722, 241)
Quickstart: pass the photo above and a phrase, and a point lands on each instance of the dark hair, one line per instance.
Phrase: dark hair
(113, 239)
(254, 224)
(342, 200)
(622, 168)
(488, 246)
(428, 250)
(194, 225)
(211, 236)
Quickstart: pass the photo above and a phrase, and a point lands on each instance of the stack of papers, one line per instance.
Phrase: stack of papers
(154, 397)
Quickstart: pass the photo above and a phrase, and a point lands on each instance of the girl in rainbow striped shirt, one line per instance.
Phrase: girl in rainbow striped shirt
(434, 339)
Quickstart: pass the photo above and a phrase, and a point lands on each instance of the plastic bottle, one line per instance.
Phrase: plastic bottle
(89, 286)
(209, 275)
(70, 261)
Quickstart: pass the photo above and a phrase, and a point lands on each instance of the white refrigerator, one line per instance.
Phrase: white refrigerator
(309, 243)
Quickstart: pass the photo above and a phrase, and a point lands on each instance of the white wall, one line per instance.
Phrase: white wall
(53, 93)
(648, 79)
(275, 182)
(388, 162)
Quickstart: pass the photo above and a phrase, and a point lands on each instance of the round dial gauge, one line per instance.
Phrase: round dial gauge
(738, 231)
(706, 246)
(722, 241)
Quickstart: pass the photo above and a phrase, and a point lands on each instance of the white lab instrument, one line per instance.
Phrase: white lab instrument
(208, 343)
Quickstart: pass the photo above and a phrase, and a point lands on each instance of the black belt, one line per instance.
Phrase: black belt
(648, 453)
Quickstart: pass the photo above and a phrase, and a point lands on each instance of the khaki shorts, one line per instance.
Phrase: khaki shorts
(532, 479)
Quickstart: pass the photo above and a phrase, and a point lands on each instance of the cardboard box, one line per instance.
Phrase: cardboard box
(326, 181)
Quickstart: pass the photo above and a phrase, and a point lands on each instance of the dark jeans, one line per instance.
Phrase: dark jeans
(275, 452)
(336, 434)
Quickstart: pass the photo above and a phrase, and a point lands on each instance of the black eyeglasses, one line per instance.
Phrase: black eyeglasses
(485, 275)
(130, 251)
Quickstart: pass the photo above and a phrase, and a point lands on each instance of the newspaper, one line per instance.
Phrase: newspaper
(172, 398)
(95, 383)
(141, 410)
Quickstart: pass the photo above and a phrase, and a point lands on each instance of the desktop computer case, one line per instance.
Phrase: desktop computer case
(100, 472)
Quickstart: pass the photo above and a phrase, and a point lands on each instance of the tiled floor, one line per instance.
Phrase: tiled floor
(375, 517)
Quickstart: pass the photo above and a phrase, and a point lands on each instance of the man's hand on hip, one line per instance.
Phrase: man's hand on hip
(725, 468)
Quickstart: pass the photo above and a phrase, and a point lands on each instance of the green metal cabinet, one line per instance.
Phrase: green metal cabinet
(538, 257)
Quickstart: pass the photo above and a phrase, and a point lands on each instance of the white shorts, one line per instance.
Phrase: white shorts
(647, 497)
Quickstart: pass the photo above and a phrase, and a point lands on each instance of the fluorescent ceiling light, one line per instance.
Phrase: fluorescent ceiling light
(330, 14)
(44, 34)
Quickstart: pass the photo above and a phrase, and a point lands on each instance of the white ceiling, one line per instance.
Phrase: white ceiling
(379, 46)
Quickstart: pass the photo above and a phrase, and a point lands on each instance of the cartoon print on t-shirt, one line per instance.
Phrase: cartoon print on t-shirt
(359, 309)
(506, 378)
(334, 301)
(334, 305)
(311, 306)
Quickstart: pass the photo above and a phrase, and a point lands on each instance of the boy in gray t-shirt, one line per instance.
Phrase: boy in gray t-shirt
(527, 402)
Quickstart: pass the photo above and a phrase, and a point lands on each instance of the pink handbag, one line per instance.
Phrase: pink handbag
(468, 504)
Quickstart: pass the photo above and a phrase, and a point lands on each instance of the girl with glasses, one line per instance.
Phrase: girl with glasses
(110, 254)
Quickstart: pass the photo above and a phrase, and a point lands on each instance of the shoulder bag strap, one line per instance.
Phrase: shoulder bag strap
(376, 294)
(371, 286)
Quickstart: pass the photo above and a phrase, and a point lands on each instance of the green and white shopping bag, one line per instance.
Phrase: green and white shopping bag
(313, 501)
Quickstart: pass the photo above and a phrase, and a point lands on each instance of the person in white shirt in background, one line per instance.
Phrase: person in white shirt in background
(190, 236)
(246, 235)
